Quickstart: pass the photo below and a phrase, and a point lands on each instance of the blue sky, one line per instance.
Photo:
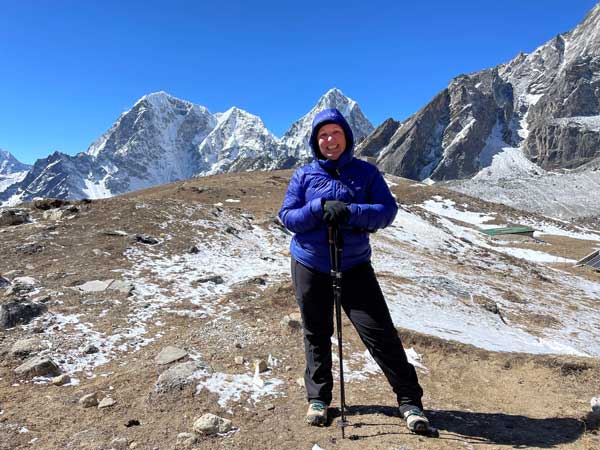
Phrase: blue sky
(68, 69)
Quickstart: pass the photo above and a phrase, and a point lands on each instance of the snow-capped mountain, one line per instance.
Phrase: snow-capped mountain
(547, 103)
(162, 139)
(296, 138)
(9, 164)
(239, 141)
(11, 170)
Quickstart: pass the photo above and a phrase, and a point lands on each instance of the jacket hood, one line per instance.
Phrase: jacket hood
(324, 117)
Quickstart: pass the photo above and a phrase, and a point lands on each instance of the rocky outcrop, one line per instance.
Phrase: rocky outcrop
(547, 103)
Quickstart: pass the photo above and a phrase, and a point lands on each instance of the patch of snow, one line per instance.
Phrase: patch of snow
(446, 208)
(231, 387)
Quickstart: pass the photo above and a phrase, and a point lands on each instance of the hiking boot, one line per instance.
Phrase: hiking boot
(416, 420)
(317, 413)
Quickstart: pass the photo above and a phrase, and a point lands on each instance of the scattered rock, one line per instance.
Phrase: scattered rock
(89, 400)
(119, 443)
(300, 382)
(194, 250)
(269, 406)
(94, 286)
(106, 402)
(90, 349)
(26, 347)
(54, 214)
(239, 360)
(210, 424)
(61, 380)
(38, 366)
(13, 216)
(186, 440)
(102, 285)
(146, 239)
(122, 286)
(179, 376)
(169, 354)
(595, 404)
(260, 365)
(19, 312)
(30, 248)
(49, 203)
(216, 279)
(4, 282)
(292, 321)
(132, 423)
(115, 233)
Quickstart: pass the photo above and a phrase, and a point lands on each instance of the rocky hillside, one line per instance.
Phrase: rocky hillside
(547, 103)
(125, 321)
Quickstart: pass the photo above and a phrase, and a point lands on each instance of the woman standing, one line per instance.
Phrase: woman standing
(338, 189)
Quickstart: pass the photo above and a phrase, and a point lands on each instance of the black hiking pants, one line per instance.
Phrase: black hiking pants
(363, 303)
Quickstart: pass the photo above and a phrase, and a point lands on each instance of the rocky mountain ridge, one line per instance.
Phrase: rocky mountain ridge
(162, 139)
(547, 103)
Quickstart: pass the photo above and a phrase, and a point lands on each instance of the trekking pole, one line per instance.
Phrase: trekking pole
(335, 250)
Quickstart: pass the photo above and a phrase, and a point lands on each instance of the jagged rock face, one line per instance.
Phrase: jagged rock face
(547, 102)
(9, 164)
(58, 176)
(564, 122)
(153, 143)
(164, 139)
(378, 139)
(240, 141)
(296, 140)
(444, 139)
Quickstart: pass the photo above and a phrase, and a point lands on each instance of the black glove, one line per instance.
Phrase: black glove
(335, 212)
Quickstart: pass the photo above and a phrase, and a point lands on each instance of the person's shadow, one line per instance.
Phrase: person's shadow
(474, 427)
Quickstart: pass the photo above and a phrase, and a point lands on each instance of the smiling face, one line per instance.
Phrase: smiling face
(332, 141)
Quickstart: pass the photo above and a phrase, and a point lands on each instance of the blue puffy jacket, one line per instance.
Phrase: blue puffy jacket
(348, 179)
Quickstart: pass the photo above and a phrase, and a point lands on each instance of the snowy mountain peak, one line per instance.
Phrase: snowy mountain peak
(296, 138)
(9, 164)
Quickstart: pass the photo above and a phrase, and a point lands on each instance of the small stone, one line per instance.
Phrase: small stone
(146, 239)
(119, 443)
(25, 347)
(210, 424)
(61, 380)
(186, 440)
(215, 279)
(106, 402)
(122, 286)
(292, 321)
(169, 354)
(133, 445)
(90, 349)
(4, 282)
(38, 366)
(94, 286)
(269, 406)
(239, 360)
(193, 250)
(89, 400)
(260, 365)
(300, 382)
(179, 376)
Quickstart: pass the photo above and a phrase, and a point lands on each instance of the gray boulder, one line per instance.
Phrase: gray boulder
(179, 376)
(209, 424)
(25, 347)
(19, 312)
(38, 366)
(13, 216)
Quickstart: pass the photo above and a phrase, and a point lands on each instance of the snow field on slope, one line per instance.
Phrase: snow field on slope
(440, 302)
